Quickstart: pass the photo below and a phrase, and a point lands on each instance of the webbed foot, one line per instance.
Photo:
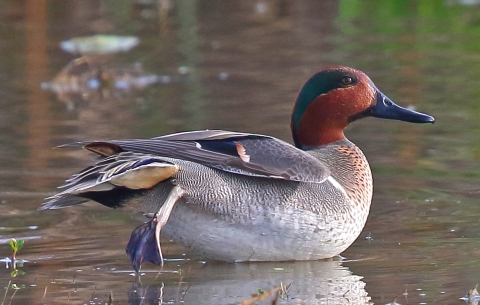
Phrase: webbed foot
(144, 243)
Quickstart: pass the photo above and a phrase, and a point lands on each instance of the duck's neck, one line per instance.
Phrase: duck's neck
(317, 127)
(307, 139)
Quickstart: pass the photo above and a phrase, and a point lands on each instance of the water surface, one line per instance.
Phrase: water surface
(245, 62)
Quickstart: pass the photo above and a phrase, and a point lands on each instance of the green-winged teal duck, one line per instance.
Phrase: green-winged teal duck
(247, 197)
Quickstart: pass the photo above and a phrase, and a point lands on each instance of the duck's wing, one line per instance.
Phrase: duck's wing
(241, 153)
(125, 170)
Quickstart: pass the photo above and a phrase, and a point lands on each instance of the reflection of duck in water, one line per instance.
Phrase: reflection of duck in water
(312, 282)
(246, 197)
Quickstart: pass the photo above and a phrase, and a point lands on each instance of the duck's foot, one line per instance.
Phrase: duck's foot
(144, 243)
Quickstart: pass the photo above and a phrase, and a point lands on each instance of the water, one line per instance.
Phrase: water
(244, 62)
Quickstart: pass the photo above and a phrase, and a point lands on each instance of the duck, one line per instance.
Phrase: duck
(239, 197)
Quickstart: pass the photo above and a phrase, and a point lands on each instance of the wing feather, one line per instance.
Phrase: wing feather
(235, 152)
(127, 169)
(241, 153)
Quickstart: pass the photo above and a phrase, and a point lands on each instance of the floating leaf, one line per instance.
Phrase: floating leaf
(99, 44)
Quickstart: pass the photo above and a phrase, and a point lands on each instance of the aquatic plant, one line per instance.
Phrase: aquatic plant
(16, 245)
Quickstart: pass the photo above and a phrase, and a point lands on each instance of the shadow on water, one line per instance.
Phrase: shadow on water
(245, 61)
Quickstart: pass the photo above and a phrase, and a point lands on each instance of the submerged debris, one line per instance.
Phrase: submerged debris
(84, 80)
(84, 74)
(99, 44)
(263, 295)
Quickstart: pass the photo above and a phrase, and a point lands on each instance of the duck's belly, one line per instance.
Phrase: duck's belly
(284, 235)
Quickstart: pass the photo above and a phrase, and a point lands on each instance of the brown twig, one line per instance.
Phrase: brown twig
(257, 297)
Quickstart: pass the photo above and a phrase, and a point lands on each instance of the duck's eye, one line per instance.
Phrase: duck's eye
(346, 81)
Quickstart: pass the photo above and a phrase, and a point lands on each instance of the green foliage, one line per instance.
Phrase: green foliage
(16, 246)
(16, 272)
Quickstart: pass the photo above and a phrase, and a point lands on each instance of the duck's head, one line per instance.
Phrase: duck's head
(337, 96)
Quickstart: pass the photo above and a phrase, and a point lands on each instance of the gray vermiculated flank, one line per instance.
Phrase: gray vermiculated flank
(236, 218)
